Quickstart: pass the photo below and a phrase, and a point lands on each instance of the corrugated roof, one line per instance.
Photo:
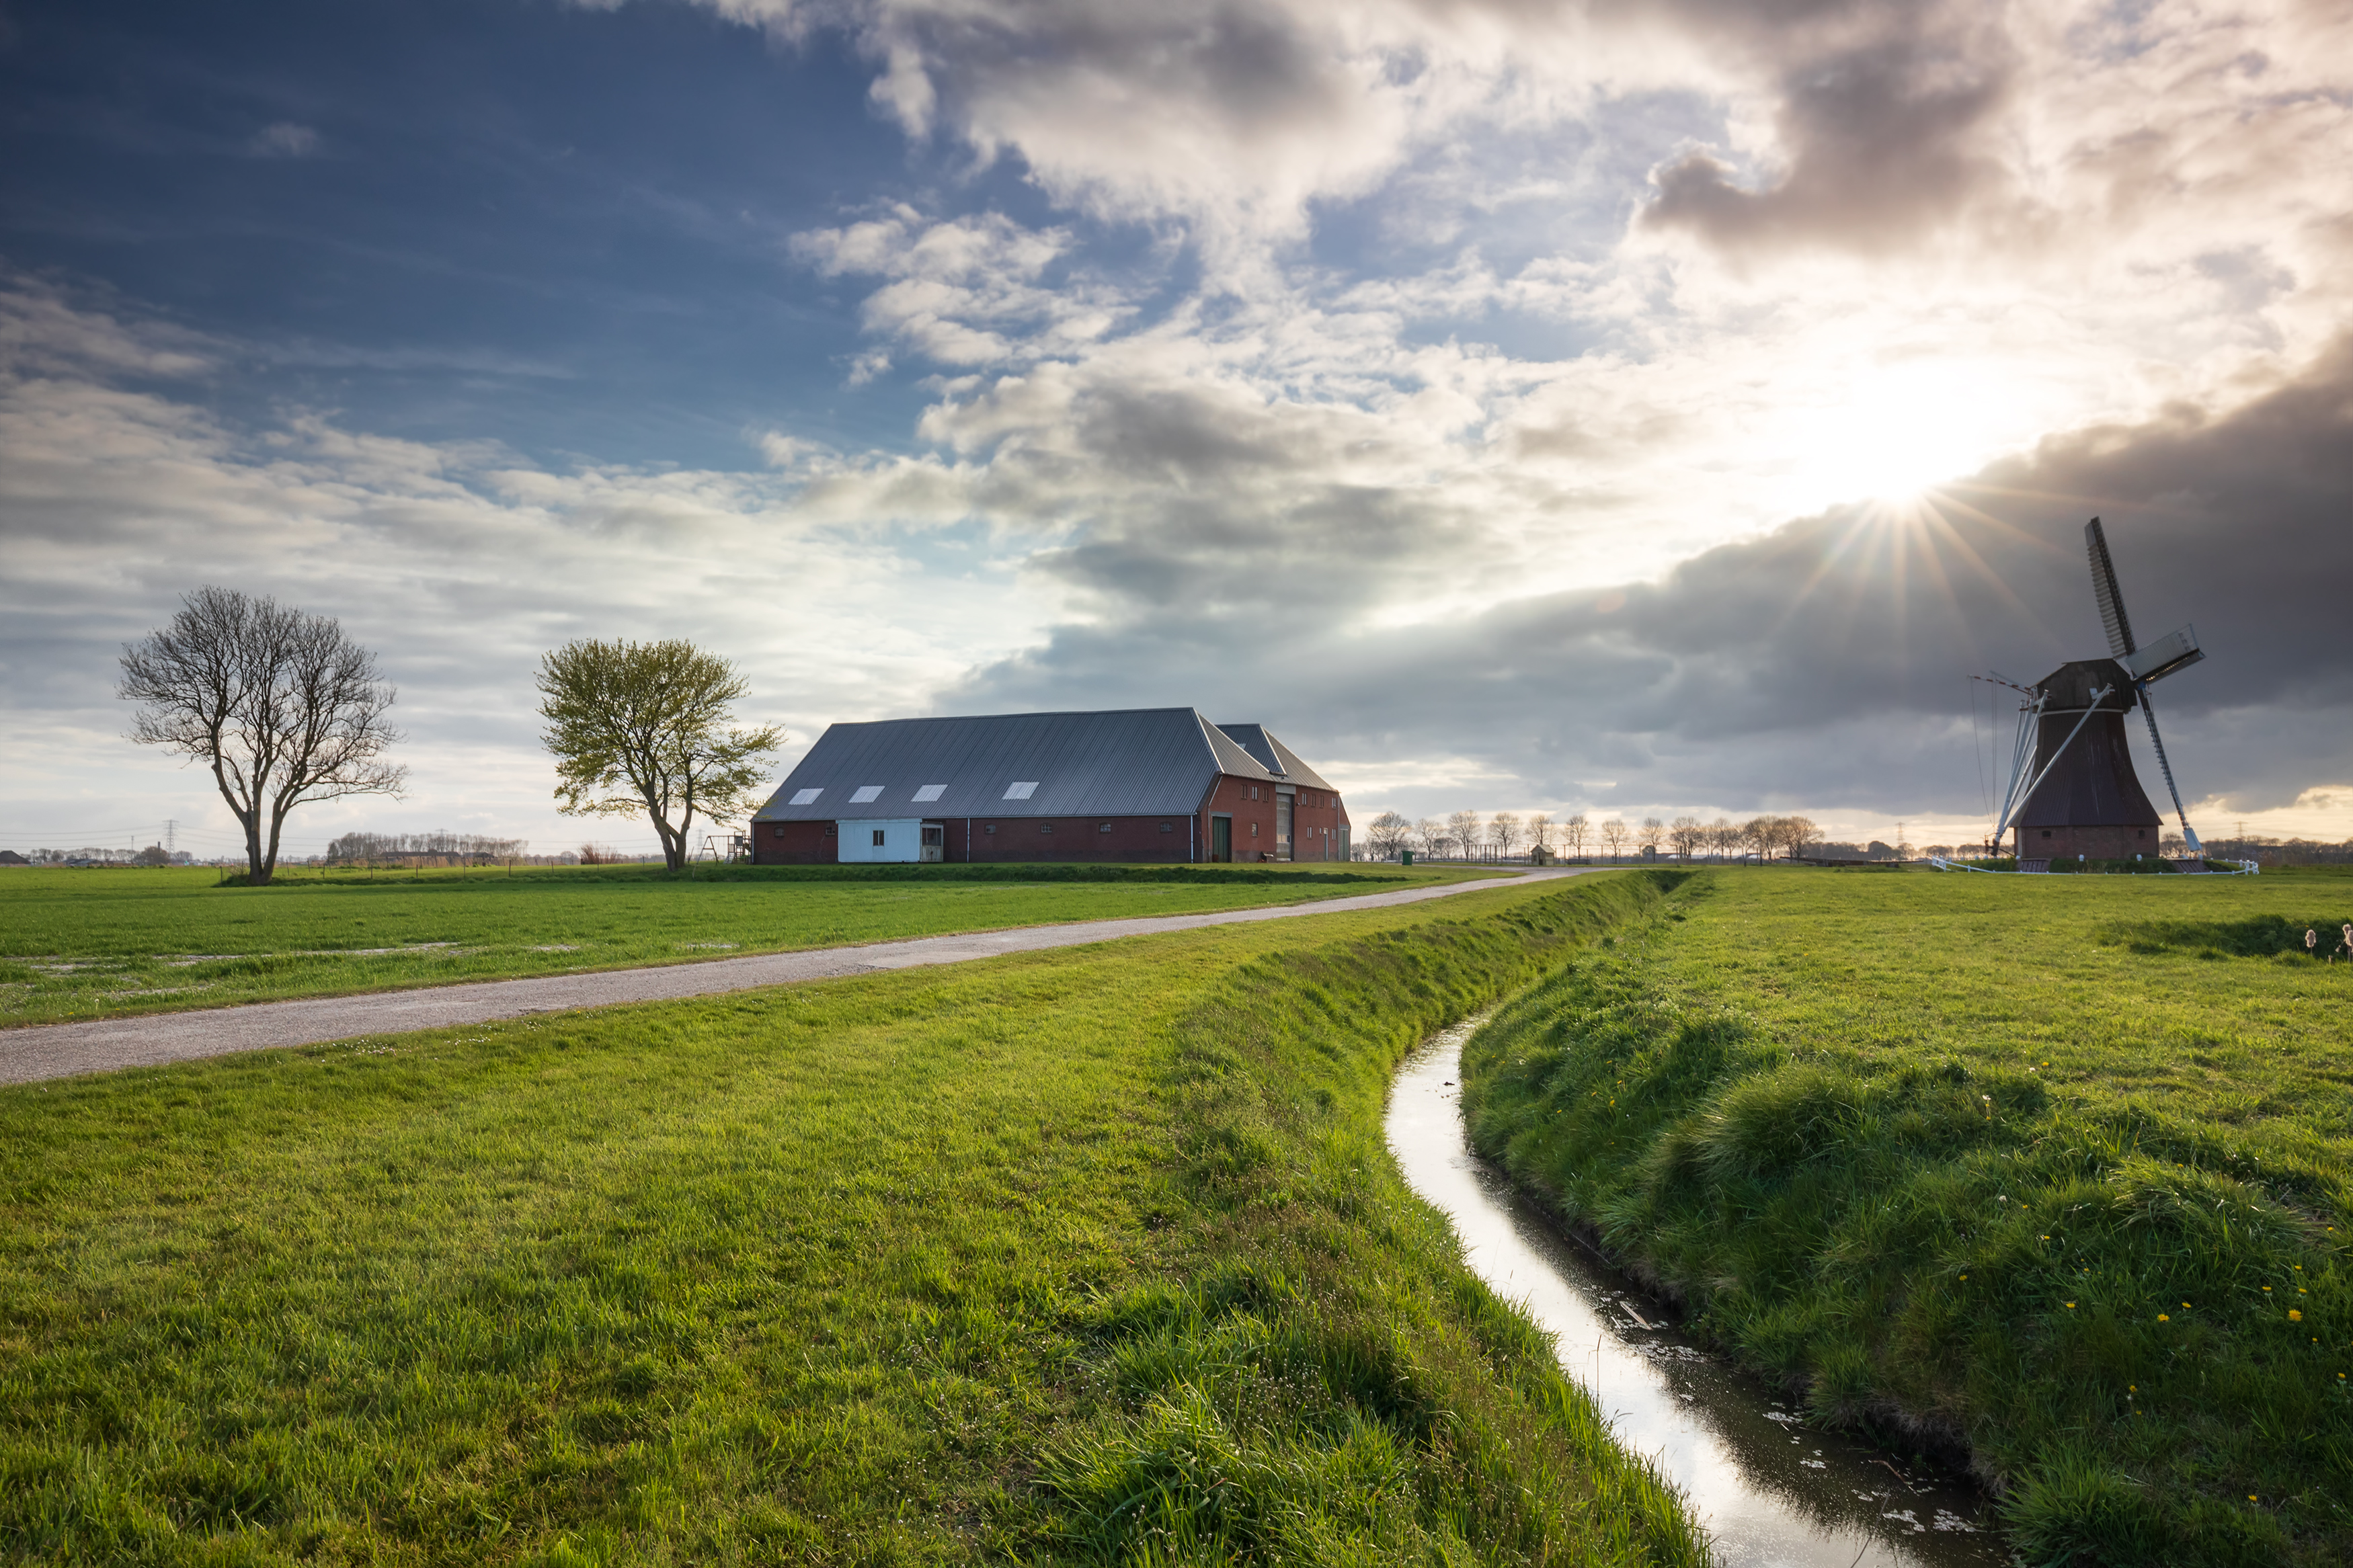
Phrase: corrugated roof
(1141, 762)
(1274, 756)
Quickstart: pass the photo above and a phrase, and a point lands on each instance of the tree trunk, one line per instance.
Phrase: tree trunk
(255, 871)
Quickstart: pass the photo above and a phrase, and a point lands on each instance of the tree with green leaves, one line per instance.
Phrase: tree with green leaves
(648, 727)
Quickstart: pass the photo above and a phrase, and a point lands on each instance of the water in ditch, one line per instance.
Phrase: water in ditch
(1771, 1491)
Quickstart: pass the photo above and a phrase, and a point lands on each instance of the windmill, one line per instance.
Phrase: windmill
(2072, 787)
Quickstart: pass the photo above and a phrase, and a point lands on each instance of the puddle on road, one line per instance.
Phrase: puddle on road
(1772, 1492)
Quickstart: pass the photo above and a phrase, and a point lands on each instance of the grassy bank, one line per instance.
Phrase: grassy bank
(1083, 1256)
(94, 944)
(2060, 1170)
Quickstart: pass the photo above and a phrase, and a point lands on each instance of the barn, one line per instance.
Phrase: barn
(1160, 785)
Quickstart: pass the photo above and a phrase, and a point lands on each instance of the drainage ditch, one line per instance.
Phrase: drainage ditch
(1771, 1491)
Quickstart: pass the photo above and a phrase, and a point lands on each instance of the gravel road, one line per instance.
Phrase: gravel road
(62, 1050)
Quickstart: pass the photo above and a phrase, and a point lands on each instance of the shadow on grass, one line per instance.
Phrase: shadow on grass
(2259, 936)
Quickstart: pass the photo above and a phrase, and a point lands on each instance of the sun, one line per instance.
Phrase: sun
(1900, 431)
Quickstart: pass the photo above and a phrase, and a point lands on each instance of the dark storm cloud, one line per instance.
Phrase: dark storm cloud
(1824, 664)
(1884, 117)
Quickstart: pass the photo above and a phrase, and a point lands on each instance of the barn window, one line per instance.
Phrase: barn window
(990, 828)
(828, 829)
(878, 839)
(780, 830)
(1253, 830)
(1167, 827)
(1045, 827)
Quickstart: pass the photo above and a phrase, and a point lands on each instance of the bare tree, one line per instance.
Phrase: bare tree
(1686, 835)
(1463, 828)
(1756, 836)
(638, 727)
(281, 706)
(1387, 834)
(1540, 830)
(1800, 834)
(1505, 830)
(1654, 834)
(1723, 839)
(1576, 830)
(1613, 833)
(1430, 834)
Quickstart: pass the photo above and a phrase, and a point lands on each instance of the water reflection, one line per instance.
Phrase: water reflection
(1769, 1490)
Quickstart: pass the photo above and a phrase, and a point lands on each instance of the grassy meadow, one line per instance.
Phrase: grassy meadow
(2059, 1170)
(98, 943)
(1084, 1256)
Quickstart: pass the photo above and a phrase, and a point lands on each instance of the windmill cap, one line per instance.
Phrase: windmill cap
(2070, 687)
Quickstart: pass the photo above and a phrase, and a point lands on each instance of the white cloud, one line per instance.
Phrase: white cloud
(458, 563)
(285, 139)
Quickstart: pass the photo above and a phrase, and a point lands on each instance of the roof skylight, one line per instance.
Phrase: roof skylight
(865, 793)
(1021, 791)
(806, 796)
(929, 792)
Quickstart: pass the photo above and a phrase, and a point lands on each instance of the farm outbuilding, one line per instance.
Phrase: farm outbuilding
(1135, 785)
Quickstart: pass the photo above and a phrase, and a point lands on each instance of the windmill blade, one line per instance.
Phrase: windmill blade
(2149, 712)
(2104, 588)
(2155, 662)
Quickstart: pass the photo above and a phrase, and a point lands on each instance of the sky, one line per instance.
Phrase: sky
(1624, 408)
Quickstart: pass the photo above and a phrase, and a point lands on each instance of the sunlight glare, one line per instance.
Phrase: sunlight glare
(1900, 431)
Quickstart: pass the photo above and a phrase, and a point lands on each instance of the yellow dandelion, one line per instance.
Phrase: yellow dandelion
(2164, 1318)
(2294, 1316)
(2071, 1305)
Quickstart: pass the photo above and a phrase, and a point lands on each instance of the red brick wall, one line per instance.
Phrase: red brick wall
(1131, 840)
(1316, 824)
(2093, 843)
(793, 843)
(1231, 796)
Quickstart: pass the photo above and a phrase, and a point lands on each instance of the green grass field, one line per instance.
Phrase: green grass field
(2061, 1169)
(81, 944)
(1086, 1257)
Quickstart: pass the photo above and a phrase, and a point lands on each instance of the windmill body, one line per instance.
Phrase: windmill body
(2072, 791)
(2091, 802)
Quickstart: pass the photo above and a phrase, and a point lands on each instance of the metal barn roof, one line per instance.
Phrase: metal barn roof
(1274, 755)
(1142, 762)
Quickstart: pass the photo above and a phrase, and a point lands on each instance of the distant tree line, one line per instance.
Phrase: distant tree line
(2268, 851)
(1468, 836)
(439, 846)
(154, 854)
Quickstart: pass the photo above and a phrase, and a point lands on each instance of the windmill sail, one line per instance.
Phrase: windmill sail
(2104, 588)
(2149, 712)
(2175, 650)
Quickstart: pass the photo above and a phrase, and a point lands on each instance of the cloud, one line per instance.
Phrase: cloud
(1823, 663)
(1886, 130)
(285, 139)
(459, 562)
(964, 291)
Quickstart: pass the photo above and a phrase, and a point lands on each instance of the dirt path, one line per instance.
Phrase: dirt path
(61, 1050)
